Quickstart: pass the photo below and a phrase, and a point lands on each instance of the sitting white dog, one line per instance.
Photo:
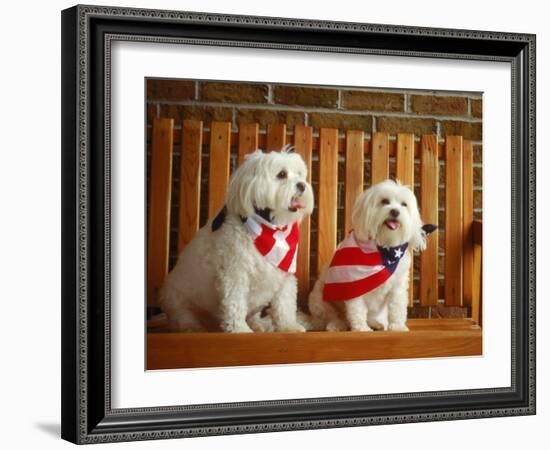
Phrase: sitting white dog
(365, 286)
(245, 258)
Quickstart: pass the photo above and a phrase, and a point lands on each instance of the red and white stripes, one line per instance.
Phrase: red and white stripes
(279, 245)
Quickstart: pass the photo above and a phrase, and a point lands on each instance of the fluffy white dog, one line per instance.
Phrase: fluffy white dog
(365, 286)
(244, 259)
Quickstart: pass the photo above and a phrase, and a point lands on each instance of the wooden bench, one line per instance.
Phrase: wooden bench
(462, 244)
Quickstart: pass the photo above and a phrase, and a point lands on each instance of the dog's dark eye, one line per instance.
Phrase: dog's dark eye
(282, 175)
(385, 201)
(404, 204)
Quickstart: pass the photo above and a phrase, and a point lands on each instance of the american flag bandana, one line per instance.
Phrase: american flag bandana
(359, 267)
(279, 245)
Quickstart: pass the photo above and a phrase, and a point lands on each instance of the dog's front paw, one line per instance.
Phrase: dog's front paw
(397, 327)
(238, 328)
(363, 328)
(337, 325)
(376, 325)
(291, 328)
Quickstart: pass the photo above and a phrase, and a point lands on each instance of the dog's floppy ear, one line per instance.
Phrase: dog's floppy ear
(219, 219)
(364, 224)
(287, 149)
(429, 228)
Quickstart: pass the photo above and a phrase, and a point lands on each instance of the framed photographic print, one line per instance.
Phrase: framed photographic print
(256, 207)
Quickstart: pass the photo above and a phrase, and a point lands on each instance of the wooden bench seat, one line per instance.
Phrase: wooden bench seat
(427, 338)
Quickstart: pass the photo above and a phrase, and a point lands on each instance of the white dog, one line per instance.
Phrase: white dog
(245, 258)
(365, 286)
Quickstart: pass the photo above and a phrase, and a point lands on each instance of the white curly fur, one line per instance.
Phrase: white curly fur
(384, 308)
(220, 280)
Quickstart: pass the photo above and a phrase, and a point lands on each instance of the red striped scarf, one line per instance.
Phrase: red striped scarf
(278, 245)
(359, 267)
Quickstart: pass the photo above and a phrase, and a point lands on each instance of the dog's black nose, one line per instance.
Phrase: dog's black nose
(394, 213)
(301, 186)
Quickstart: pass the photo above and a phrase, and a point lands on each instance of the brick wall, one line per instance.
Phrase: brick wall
(369, 110)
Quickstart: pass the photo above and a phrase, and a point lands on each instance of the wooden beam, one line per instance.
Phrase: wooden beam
(328, 192)
(354, 173)
(158, 231)
(248, 141)
(429, 204)
(220, 157)
(302, 145)
(453, 221)
(190, 182)
(188, 350)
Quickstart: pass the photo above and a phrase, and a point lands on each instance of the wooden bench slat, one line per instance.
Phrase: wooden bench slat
(190, 181)
(158, 237)
(453, 220)
(220, 157)
(380, 157)
(429, 204)
(354, 173)
(248, 140)
(328, 191)
(187, 350)
(302, 143)
(477, 299)
(468, 218)
(405, 174)
(276, 136)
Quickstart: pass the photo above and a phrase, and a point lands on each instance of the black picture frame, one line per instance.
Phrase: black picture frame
(87, 416)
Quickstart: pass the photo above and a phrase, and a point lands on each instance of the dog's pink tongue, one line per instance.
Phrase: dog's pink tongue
(294, 204)
(392, 224)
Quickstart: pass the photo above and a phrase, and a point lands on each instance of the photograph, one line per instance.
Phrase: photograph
(293, 223)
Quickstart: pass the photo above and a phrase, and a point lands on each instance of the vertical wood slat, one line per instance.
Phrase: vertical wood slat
(276, 136)
(303, 143)
(477, 235)
(248, 140)
(380, 157)
(405, 174)
(328, 188)
(158, 233)
(190, 180)
(429, 189)
(453, 220)
(354, 173)
(468, 218)
(218, 174)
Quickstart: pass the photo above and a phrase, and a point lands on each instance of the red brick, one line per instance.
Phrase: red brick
(478, 177)
(170, 89)
(151, 112)
(478, 199)
(433, 104)
(270, 116)
(233, 92)
(394, 125)
(469, 130)
(205, 113)
(341, 121)
(478, 153)
(373, 101)
(476, 107)
(441, 214)
(305, 96)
